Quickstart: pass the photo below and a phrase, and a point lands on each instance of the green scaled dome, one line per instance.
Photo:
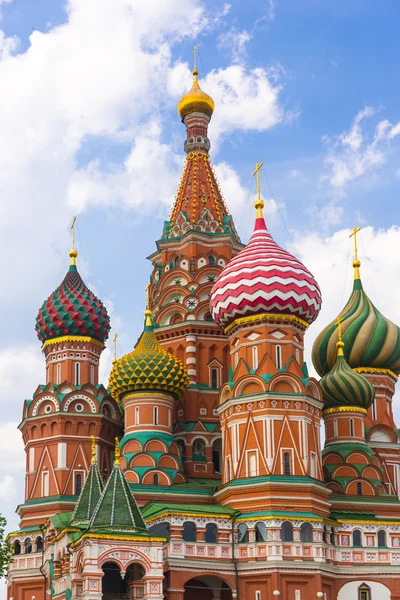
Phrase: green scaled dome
(148, 367)
(344, 387)
(372, 340)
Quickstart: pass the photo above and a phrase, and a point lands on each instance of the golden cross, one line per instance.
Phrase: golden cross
(73, 232)
(354, 233)
(148, 296)
(115, 345)
(93, 448)
(339, 327)
(257, 174)
(195, 57)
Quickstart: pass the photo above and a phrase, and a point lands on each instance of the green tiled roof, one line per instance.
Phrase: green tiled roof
(152, 509)
(89, 496)
(117, 507)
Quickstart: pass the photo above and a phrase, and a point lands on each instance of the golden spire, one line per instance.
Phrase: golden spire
(259, 203)
(147, 312)
(195, 71)
(195, 100)
(73, 253)
(93, 448)
(356, 262)
(117, 452)
(339, 343)
(115, 345)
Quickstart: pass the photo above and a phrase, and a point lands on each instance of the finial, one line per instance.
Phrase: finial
(117, 452)
(356, 262)
(73, 253)
(115, 345)
(147, 312)
(195, 71)
(259, 203)
(93, 448)
(339, 343)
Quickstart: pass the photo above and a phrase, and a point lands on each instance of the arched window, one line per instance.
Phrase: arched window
(155, 480)
(255, 357)
(28, 546)
(332, 536)
(228, 469)
(137, 415)
(287, 532)
(335, 428)
(364, 592)
(351, 428)
(216, 455)
(182, 448)
(359, 488)
(161, 529)
(382, 538)
(77, 373)
(211, 260)
(243, 533)
(286, 463)
(306, 533)
(211, 535)
(214, 378)
(58, 373)
(39, 544)
(189, 532)
(92, 374)
(357, 539)
(176, 261)
(78, 484)
(17, 547)
(155, 415)
(261, 532)
(325, 535)
(278, 354)
(199, 450)
(208, 317)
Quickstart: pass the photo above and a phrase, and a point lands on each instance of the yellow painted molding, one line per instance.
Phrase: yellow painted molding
(264, 317)
(376, 371)
(343, 409)
(73, 338)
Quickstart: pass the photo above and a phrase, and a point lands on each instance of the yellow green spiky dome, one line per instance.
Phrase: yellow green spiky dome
(148, 367)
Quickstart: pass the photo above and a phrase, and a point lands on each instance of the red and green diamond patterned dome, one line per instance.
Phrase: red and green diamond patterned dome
(264, 278)
(72, 310)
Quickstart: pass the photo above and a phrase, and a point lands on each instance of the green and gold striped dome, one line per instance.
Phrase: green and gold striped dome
(148, 367)
(371, 340)
(343, 387)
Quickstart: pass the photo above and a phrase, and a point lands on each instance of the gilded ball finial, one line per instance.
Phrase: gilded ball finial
(72, 255)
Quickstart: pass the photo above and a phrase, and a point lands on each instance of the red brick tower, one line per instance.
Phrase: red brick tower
(197, 242)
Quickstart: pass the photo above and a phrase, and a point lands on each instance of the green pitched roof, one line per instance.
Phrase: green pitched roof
(89, 497)
(117, 508)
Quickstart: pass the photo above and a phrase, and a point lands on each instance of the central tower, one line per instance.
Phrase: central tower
(197, 242)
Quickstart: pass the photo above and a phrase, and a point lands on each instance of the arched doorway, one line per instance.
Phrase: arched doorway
(124, 586)
(207, 587)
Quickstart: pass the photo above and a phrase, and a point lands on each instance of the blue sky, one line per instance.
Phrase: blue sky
(89, 126)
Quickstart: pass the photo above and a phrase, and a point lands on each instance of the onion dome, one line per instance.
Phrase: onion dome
(343, 387)
(195, 100)
(72, 310)
(148, 367)
(372, 340)
(264, 278)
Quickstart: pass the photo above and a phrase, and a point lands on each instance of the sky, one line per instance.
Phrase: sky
(89, 127)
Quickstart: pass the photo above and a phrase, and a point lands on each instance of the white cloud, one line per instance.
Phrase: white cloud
(353, 153)
(11, 448)
(8, 489)
(21, 370)
(236, 42)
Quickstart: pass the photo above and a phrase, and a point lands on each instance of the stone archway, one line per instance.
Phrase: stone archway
(207, 587)
(121, 585)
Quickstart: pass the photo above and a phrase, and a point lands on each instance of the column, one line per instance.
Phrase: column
(191, 358)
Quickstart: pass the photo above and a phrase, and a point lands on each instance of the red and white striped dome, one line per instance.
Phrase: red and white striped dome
(264, 278)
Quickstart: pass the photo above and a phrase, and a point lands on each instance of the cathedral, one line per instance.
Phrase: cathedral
(198, 473)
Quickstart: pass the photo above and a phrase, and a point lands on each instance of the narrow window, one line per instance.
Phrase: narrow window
(92, 374)
(252, 464)
(28, 546)
(228, 469)
(39, 544)
(189, 532)
(287, 532)
(359, 489)
(313, 470)
(298, 355)
(243, 533)
(297, 595)
(211, 535)
(357, 538)
(306, 533)
(155, 415)
(31, 460)
(286, 463)
(214, 378)
(17, 547)
(258, 595)
(364, 592)
(211, 260)
(351, 428)
(78, 484)
(137, 416)
(382, 538)
(255, 357)
(374, 410)
(176, 261)
(261, 532)
(155, 481)
(77, 373)
(335, 428)
(169, 418)
(45, 483)
(58, 373)
(278, 352)
(332, 536)
(236, 359)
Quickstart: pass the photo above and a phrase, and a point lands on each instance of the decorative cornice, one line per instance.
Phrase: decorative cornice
(376, 371)
(343, 409)
(265, 317)
(72, 338)
(116, 536)
(169, 513)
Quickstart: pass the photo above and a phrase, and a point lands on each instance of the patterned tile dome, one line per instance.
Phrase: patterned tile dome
(264, 278)
(371, 340)
(148, 367)
(343, 387)
(72, 310)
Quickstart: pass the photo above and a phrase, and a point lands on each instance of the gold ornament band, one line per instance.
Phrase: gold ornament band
(73, 338)
(265, 317)
(343, 409)
(376, 371)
